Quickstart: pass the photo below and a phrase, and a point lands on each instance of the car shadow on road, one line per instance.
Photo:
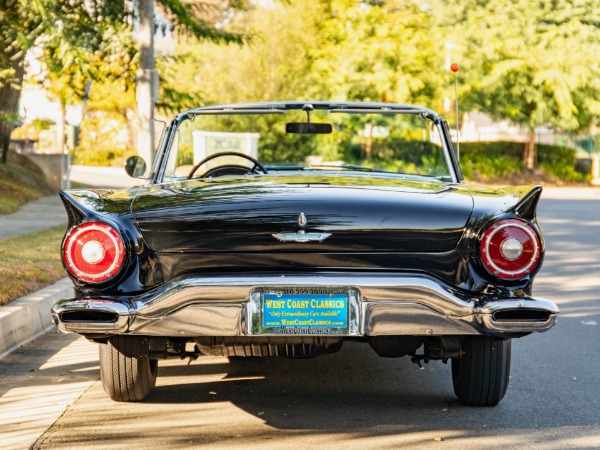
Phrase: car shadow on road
(353, 388)
(288, 390)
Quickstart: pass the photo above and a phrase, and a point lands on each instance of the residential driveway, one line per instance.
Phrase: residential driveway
(103, 177)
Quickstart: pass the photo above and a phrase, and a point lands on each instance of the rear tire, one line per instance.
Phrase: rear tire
(480, 376)
(126, 371)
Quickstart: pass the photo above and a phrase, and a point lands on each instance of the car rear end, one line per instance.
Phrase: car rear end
(294, 262)
(393, 260)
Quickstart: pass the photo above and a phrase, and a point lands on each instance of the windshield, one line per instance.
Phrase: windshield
(399, 143)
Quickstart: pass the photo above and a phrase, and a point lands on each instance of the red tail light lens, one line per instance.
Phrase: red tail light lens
(93, 252)
(510, 249)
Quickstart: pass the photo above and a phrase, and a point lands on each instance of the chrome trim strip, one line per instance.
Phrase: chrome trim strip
(220, 319)
(410, 319)
(520, 303)
(301, 236)
(446, 144)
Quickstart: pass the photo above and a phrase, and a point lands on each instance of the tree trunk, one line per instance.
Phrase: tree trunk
(10, 93)
(369, 143)
(530, 155)
(61, 128)
(146, 97)
(61, 131)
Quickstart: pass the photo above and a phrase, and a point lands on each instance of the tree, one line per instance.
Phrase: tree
(343, 50)
(533, 65)
(19, 28)
(102, 57)
(274, 65)
(377, 50)
(81, 33)
(73, 35)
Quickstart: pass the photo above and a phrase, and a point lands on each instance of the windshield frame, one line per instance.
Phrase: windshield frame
(280, 108)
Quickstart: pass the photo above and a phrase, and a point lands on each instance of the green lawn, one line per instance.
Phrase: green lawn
(20, 182)
(30, 262)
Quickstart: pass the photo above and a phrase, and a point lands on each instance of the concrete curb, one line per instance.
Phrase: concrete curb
(27, 317)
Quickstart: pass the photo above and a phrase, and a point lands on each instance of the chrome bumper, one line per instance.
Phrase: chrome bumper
(385, 304)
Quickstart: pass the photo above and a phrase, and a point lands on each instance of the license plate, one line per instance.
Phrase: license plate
(305, 311)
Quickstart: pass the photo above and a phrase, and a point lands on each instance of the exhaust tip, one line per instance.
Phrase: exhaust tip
(521, 315)
(88, 317)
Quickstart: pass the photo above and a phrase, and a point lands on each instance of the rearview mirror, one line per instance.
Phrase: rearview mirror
(135, 166)
(308, 128)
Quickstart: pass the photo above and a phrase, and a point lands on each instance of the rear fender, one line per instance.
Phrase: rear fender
(141, 271)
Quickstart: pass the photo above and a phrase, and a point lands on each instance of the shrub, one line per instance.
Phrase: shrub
(490, 161)
(104, 141)
(495, 161)
(480, 161)
(490, 169)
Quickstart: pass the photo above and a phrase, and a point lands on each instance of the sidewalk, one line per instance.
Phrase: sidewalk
(27, 317)
(103, 177)
(37, 215)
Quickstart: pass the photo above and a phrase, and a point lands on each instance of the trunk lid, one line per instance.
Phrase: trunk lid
(360, 214)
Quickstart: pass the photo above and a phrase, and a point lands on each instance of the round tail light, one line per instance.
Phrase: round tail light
(510, 249)
(93, 252)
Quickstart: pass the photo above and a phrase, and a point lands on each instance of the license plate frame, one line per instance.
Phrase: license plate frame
(315, 317)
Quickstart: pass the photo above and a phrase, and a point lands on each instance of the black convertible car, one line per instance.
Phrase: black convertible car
(222, 254)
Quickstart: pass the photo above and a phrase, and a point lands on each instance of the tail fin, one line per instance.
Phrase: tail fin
(526, 208)
(79, 204)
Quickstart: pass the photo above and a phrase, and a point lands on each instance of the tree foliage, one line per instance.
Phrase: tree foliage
(534, 65)
(382, 50)
(517, 60)
(340, 49)
(88, 40)
(320, 49)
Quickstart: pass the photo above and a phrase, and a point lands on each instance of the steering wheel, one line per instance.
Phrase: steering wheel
(232, 169)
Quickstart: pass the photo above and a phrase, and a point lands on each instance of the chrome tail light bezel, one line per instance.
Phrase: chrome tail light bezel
(99, 271)
(494, 258)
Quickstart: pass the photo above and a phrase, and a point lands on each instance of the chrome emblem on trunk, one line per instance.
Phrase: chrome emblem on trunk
(302, 220)
(301, 236)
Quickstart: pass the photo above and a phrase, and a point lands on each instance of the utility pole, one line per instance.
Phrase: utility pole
(146, 90)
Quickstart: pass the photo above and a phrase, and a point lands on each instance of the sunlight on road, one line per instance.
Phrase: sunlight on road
(81, 350)
(44, 391)
(464, 439)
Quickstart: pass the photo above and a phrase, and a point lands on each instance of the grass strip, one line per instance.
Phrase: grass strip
(19, 184)
(30, 262)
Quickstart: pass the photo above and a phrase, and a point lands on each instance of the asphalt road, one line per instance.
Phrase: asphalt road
(352, 399)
